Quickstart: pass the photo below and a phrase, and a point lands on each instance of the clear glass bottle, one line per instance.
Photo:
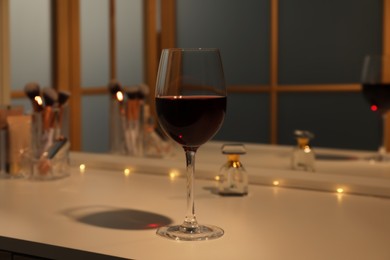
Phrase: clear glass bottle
(303, 157)
(233, 178)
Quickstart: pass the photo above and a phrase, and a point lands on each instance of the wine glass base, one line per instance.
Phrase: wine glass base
(203, 232)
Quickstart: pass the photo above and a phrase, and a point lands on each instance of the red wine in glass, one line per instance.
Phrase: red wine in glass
(191, 120)
(376, 90)
(378, 96)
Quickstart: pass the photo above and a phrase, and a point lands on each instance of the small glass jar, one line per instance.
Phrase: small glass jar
(303, 157)
(233, 178)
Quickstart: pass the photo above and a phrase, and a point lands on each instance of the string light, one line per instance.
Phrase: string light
(126, 172)
(173, 174)
(82, 167)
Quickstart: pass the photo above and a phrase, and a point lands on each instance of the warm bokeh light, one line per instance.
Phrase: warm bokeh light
(39, 100)
(173, 174)
(340, 190)
(217, 178)
(82, 167)
(275, 183)
(126, 172)
(119, 96)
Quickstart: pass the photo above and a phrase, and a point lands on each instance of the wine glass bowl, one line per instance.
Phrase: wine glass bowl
(376, 90)
(191, 105)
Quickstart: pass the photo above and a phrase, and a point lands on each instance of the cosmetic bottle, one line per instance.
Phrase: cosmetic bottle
(303, 157)
(6, 111)
(3, 152)
(233, 178)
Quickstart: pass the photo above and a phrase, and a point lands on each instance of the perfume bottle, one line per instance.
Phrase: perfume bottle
(303, 157)
(233, 178)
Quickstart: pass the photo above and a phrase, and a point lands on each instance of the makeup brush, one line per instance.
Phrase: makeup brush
(118, 124)
(143, 92)
(63, 97)
(32, 91)
(120, 98)
(133, 94)
(50, 97)
(132, 115)
(114, 86)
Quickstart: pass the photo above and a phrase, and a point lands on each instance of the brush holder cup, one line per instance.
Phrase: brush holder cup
(46, 167)
(48, 156)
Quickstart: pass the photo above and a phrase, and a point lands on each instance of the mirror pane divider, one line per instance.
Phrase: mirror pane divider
(5, 96)
(168, 24)
(112, 19)
(274, 71)
(151, 55)
(66, 15)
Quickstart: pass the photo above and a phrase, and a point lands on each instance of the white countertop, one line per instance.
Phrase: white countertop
(104, 211)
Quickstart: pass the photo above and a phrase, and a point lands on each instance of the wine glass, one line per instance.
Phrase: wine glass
(190, 105)
(376, 90)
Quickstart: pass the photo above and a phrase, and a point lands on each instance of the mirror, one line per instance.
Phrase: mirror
(95, 61)
(30, 45)
(297, 68)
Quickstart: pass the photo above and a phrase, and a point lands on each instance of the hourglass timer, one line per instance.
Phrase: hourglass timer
(233, 178)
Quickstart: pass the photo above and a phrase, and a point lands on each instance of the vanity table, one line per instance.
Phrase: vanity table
(110, 206)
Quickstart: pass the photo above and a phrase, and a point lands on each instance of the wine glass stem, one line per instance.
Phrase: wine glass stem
(190, 223)
(382, 149)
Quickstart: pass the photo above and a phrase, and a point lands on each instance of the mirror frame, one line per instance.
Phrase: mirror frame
(4, 53)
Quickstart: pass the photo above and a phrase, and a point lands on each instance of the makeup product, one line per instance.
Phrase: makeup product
(3, 152)
(143, 92)
(132, 115)
(32, 91)
(51, 161)
(153, 145)
(56, 147)
(19, 140)
(303, 156)
(61, 125)
(6, 111)
(113, 87)
(117, 118)
(9, 111)
(50, 97)
(233, 178)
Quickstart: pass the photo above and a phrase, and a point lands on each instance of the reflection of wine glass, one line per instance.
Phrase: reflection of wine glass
(376, 89)
(190, 105)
